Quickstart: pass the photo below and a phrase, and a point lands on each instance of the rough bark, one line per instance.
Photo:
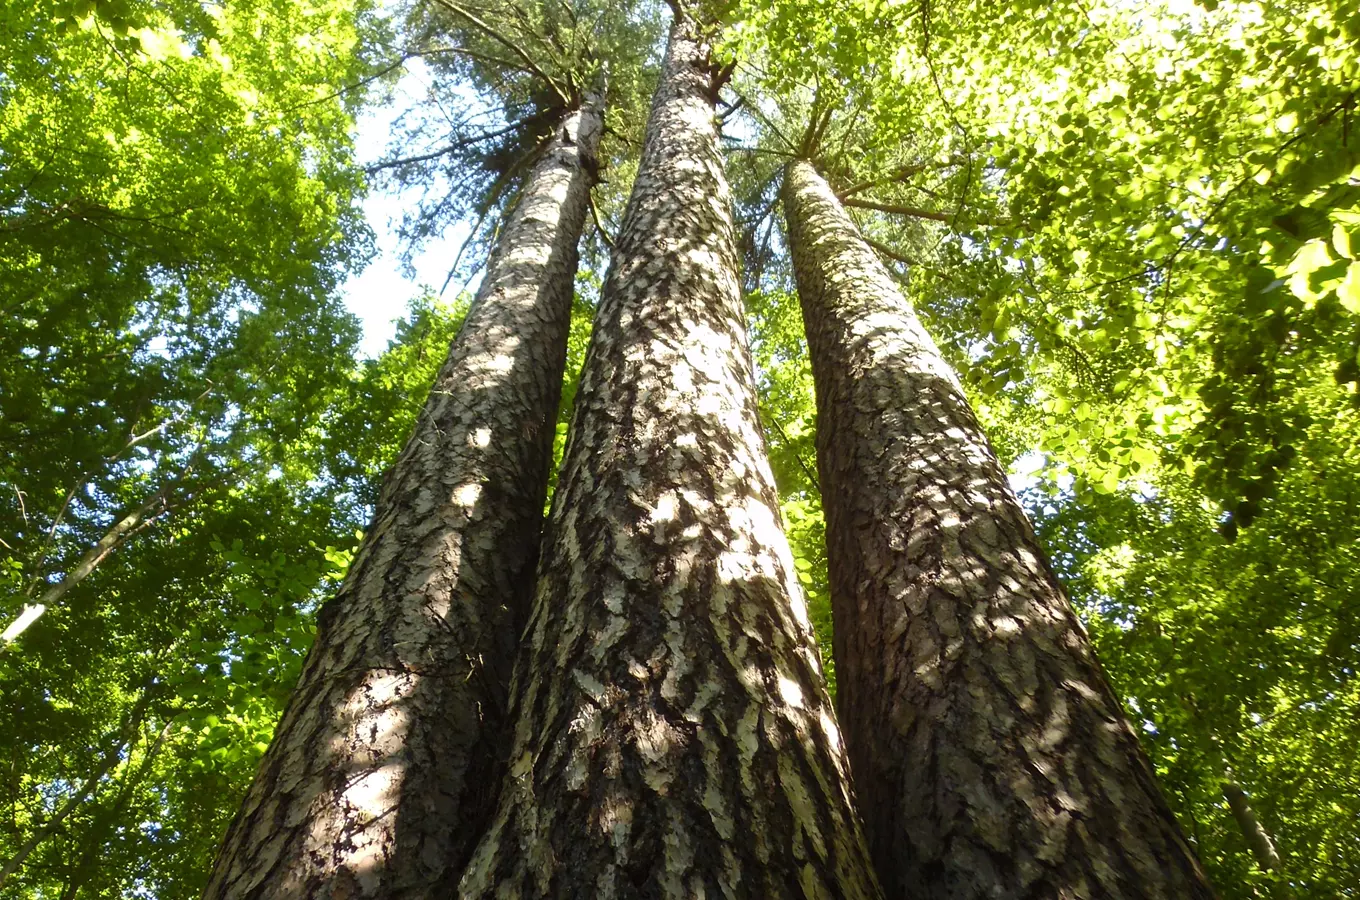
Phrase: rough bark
(380, 776)
(991, 757)
(1261, 843)
(672, 737)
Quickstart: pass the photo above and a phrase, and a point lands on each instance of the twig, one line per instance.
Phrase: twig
(796, 455)
(916, 212)
(773, 127)
(738, 148)
(345, 89)
(901, 173)
(444, 151)
(492, 195)
(22, 509)
(604, 233)
(472, 54)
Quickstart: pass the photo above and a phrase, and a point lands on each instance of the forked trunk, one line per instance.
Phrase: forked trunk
(672, 734)
(381, 774)
(991, 757)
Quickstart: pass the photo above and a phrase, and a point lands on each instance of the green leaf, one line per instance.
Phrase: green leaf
(1349, 290)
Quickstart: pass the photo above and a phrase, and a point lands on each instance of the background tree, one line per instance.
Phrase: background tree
(176, 217)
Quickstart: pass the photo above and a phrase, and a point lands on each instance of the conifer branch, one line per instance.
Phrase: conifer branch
(918, 213)
(510, 45)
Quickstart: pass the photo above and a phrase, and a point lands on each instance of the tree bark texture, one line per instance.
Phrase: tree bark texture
(381, 774)
(991, 756)
(673, 736)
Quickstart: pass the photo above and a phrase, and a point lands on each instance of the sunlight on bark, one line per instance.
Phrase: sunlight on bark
(26, 618)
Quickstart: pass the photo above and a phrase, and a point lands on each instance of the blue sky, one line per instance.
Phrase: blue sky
(378, 296)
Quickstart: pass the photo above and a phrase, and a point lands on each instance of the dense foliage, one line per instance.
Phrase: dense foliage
(1133, 227)
(179, 207)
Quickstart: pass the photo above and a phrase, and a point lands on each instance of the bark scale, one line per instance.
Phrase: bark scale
(673, 736)
(991, 756)
(382, 771)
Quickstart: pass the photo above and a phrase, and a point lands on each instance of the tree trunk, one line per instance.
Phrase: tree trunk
(381, 773)
(991, 756)
(1260, 841)
(673, 736)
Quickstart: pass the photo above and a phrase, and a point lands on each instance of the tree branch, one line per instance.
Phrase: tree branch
(130, 725)
(604, 233)
(761, 116)
(918, 213)
(732, 108)
(444, 151)
(889, 252)
(796, 455)
(508, 44)
(472, 54)
(901, 173)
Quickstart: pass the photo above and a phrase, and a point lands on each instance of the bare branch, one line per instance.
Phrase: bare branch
(493, 194)
(918, 213)
(444, 151)
(761, 116)
(604, 233)
(480, 57)
(345, 89)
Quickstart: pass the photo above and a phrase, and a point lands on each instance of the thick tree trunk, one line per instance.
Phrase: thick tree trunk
(673, 737)
(381, 773)
(991, 757)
